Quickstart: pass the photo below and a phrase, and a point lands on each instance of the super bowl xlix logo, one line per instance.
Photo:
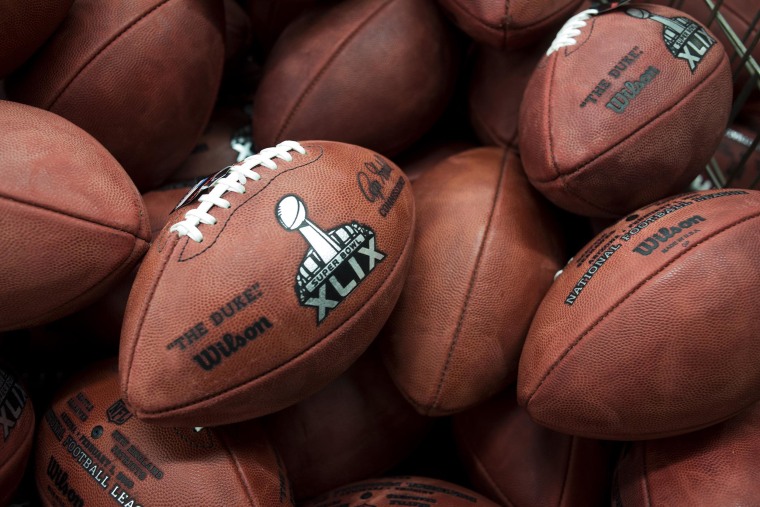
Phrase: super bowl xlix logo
(336, 262)
(684, 38)
(12, 402)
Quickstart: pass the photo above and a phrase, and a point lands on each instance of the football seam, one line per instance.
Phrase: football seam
(580, 168)
(238, 470)
(86, 294)
(276, 368)
(573, 449)
(134, 234)
(471, 284)
(263, 187)
(486, 475)
(141, 321)
(327, 64)
(477, 20)
(103, 48)
(503, 26)
(638, 286)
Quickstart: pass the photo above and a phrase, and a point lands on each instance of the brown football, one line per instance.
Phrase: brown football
(496, 91)
(486, 249)
(90, 450)
(651, 330)
(516, 462)
(715, 466)
(140, 76)
(627, 107)
(73, 222)
(376, 73)
(358, 426)
(390, 491)
(510, 24)
(16, 434)
(268, 287)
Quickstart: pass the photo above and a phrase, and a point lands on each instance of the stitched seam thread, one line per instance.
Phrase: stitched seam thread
(75, 217)
(141, 322)
(327, 64)
(105, 46)
(473, 276)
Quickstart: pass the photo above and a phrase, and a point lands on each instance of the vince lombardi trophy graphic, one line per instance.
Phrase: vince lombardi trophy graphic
(291, 212)
(684, 38)
(336, 262)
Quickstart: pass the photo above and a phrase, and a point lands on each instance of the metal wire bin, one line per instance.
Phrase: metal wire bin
(737, 162)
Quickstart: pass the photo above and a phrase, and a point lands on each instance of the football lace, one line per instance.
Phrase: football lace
(233, 182)
(571, 29)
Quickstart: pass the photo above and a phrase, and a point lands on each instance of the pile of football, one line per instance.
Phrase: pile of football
(424, 253)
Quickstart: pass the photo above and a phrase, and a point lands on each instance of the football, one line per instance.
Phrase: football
(626, 107)
(17, 425)
(514, 461)
(91, 450)
(267, 283)
(270, 17)
(138, 75)
(358, 426)
(650, 331)
(25, 26)
(486, 249)
(73, 222)
(353, 72)
(715, 466)
(389, 491)
(426, 155)
(496, 90)
(508, 25)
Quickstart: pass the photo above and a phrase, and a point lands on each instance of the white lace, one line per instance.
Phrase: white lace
(233, 182)
(566, 35)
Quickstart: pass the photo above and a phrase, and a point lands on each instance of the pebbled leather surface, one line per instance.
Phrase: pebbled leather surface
(715, 466)
(518, 463)
(16, 435)
(388, 491)
(72, 220)
(139, 76)
(235, 465)
(24, 27)
(486, 251)
(662, 339)
(376, 73)
(509, 24)
(496, 91)
(181, 283)
(594, 161)
(358, 426)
